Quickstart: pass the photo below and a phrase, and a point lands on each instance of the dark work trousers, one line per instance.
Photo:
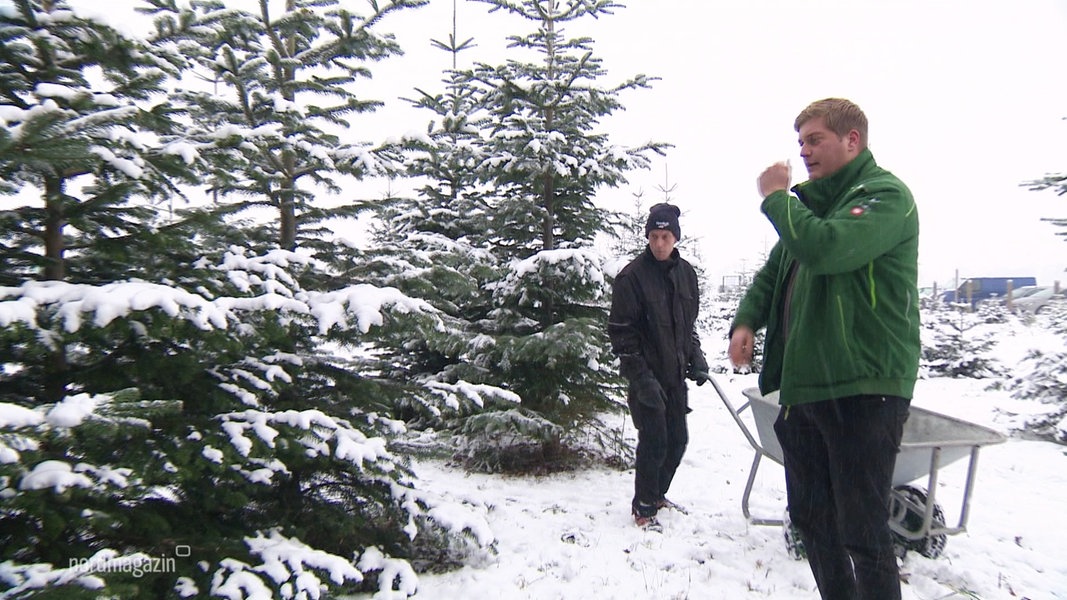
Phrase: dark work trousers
(839, 458)
(662, 435)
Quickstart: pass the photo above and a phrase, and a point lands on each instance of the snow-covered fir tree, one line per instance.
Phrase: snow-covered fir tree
(956, 341)
(434, 246)
(229, 442)
(277, 110)
(1046, 380)
(81, 134)
(546, 161)
(1042, 376)
(500, 239)
(181, 393)
(1056, 182)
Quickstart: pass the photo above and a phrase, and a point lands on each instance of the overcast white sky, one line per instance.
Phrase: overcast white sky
(965, 99)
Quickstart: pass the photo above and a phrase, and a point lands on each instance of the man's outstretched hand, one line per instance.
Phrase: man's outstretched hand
(741, 342)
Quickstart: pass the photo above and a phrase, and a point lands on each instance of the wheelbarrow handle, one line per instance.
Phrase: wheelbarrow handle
(736, 414)
(757, 456)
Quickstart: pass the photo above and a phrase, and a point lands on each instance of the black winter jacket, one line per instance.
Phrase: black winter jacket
(652, 324)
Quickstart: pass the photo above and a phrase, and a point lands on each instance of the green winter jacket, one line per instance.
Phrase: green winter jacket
(848, 247)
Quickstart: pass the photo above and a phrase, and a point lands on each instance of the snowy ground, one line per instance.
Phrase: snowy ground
(571, 536)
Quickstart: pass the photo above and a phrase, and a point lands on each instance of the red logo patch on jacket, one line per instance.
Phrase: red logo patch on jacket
(857, 211)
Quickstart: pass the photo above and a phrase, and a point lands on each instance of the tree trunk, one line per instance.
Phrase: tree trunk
(55, 220)
(548, 189)
(55, 381)
(287, 195)
(287, 207)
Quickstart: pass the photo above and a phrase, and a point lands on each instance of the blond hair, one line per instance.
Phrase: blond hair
(839, 115)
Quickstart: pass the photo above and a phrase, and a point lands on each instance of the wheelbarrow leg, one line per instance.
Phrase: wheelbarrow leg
(756, 458)
(931, 491)
(965, 511)
(929, 527)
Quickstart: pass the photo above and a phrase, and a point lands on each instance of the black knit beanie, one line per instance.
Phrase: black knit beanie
(664, 216)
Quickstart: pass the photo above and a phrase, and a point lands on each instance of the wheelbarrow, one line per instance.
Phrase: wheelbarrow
(930, 441)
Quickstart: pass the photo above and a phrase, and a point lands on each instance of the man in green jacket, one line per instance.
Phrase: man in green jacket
(839, 300)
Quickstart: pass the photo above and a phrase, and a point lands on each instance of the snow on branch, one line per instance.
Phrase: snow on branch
(105, 303)
(124, 406)
(553, 271)
(476, 393)
(83, 573)
(360, 306)
(347, 443)
(364, 303)
(286, 561)
(13, 416)
(392, 569)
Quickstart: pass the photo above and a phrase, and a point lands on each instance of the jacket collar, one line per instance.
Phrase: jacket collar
(821, 194)
(664, 264)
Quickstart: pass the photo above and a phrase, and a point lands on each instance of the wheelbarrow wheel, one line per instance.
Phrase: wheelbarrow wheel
(930, 546)
(793, 544)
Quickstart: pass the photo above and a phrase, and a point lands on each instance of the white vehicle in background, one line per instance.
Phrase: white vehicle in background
(1031, 299)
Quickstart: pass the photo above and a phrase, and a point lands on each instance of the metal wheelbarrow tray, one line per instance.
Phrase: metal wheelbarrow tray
(931, 441)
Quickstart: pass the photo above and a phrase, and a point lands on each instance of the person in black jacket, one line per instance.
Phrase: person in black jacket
(654, 305)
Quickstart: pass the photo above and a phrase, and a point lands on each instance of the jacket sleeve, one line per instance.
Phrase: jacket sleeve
(755, 308)
(875, 220)
(697, 360)
(623, 321)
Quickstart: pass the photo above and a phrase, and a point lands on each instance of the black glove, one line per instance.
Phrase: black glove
(647, 391)
(701, 376)
(698, 369)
